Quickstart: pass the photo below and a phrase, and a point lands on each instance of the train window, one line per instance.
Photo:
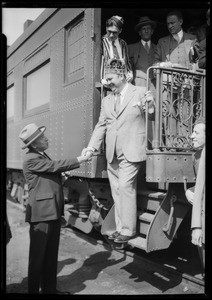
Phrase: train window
(10, 101)
(37, 87)
(75, 51)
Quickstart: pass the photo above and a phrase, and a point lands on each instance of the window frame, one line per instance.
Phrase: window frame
(41, 108)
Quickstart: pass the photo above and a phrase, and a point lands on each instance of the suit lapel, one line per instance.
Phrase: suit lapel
(137, 50)
(111, 104)
(127, 98)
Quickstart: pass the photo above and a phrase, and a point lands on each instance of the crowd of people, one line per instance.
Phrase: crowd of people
(122, 125)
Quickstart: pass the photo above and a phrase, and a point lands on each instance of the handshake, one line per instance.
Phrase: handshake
(86, 154)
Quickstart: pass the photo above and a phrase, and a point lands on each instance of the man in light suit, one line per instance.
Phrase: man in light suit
(173, 50)
(142, 53)
(44, 208)
(196, 194)
(122, 123)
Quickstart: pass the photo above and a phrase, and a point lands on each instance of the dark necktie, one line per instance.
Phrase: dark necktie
(117, 102)
(115, 51)
(146, 47)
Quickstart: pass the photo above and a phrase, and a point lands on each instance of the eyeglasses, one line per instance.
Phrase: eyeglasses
(113, 32)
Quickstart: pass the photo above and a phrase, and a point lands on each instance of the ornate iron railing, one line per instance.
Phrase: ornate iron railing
(180, 101)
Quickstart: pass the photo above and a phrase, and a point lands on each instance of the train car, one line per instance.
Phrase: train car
(53, 79)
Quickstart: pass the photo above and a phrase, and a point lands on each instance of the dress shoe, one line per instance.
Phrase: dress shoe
(123, 238)
(114, 235)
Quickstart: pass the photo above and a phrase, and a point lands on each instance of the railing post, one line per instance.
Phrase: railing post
(156, 140)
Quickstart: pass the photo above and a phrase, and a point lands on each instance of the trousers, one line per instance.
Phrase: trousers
(43, 255)
(122, 175)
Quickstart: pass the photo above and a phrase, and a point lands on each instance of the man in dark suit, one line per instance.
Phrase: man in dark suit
(44, 208)
(142, 53)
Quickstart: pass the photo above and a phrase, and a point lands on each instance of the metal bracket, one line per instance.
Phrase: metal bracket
(167, 226)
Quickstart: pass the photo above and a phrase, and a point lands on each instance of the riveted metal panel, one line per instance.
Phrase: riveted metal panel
(70, 116)
(169, 168)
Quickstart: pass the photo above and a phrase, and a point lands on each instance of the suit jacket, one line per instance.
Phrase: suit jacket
(162, 53)
(198, 209)
(43, 176)
(202, 54)
(106, 54)
(134, 50)
(128, 126)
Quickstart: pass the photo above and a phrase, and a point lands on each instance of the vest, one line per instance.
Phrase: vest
(178, 52)
(145, 60)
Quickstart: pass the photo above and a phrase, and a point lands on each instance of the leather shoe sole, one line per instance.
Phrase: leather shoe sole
(123, 238)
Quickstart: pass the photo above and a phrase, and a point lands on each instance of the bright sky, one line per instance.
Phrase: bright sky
(13, 21)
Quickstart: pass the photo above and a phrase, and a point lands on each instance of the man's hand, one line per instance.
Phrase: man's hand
(86, 157)
(190, 196)
(148, 98)
(88, 149)
(196, 237)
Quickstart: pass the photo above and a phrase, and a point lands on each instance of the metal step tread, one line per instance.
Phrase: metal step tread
(152, 194)
(145, 216)
(138, 242)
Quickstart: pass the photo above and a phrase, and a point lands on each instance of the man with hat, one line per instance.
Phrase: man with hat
(44, 209)
(114, 47)
(122, 125)
(142, 53)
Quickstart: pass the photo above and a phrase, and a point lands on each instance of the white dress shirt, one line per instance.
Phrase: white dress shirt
(178, 36)
(123, 92)
(144, 43)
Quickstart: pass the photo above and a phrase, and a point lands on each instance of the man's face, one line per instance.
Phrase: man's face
(174, 24)
(41, 143)
(146, 32)
(114, 82)
(198, 136)
(113, 32)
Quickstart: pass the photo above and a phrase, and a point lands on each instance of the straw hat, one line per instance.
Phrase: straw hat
(30, 133)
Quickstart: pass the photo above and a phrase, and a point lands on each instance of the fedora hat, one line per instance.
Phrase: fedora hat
(30, 133)
(145, 21)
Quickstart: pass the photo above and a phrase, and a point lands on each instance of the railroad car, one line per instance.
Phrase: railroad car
(53, 79)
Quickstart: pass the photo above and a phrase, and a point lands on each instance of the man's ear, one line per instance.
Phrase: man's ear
(33, 145)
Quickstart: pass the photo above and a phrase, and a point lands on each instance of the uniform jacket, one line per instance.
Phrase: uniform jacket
(162, 53)
(147, 59)
(198, 209)
(43, 176)
(106, 54)
(128, 126)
